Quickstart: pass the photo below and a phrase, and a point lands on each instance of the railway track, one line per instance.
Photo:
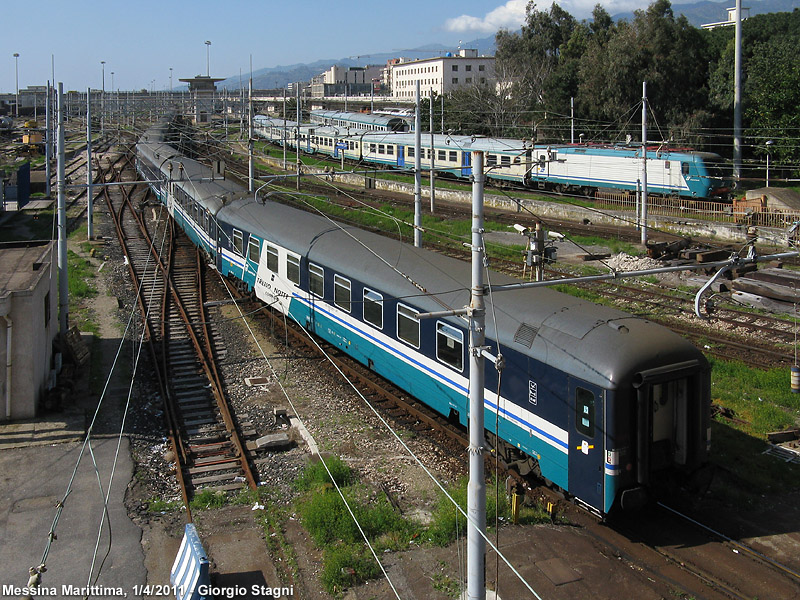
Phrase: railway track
(203, 437)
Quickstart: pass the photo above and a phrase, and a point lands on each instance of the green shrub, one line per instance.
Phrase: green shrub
(448, 522)
(346, 565)
(316, 475)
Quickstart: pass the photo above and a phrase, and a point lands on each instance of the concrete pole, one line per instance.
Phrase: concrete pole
(63, 290)
(476, 488)
(433, 175)
(89, 191)
(737, 95)
(572, 120)
(48, 140)
(285, 139)
(644, 163)
(417, 174)
(297, 137)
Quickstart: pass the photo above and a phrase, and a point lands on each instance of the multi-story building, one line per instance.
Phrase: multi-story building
(442, 74)
(352, 81)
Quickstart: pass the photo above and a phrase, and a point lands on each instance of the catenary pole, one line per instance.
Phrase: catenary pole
(644, 163)
(89, 192)
(48, 140)
(63, 297)
(250, 160)
(737, 95)
(433, 175)
(476, 489)
(417, 174)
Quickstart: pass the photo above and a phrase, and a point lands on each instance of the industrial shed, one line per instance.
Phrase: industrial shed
(28, 326)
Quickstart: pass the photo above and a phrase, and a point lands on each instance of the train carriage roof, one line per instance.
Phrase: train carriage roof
(591, 342)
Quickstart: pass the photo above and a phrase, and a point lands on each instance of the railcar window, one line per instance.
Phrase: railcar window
(411, 152)
(293, 268)
(316, 280)
(238, 243)
(491, 160)
(254, 249)
(505, 161)
(685, 168)
(450, 345)
(584, 412)
(408, 325)
(372, 148)
(341, 292)
(441, 155)
(453, 156)
(272, 258)
(373, 308)
(381, 149)
(390, 149)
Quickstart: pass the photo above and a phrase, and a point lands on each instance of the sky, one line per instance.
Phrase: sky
(140, 40)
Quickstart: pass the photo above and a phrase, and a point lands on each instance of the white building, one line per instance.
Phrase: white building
(442, 75)
(353, 81)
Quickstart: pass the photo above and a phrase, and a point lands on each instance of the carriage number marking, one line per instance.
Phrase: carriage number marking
(532, 392)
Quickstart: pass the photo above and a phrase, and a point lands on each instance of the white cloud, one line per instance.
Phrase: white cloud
(510, 15)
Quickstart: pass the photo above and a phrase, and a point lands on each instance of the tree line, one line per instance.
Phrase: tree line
(600, 65)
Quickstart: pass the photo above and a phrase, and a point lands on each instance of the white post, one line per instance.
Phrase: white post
(476, 489)
(251, 169)
(644, 163)
(63, 290)
(48, 140)
(417, 174)
(89, 191)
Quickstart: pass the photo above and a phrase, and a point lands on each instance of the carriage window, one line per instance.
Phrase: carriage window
(441, 155)
(408, 325)
(341, 292)
(491, 160)
(389, 149)
(685, 168)
(272, 258)
(238, 243)
(316, 280)
(372, 148)
(453, 156)
(584, 412)
(373, 308)
(381, 149)
(505, 160)
(410, 152)
(293, 268)
(450, 345)
(254, 249)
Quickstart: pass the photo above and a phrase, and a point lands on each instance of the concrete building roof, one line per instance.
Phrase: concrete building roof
(22, 268)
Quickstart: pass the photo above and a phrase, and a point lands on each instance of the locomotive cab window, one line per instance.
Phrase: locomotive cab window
(450, 345)
(373, 308)
(254, 249)
(293, 268)
(316, 280)
(238, 242)
(408, 325)
(341, 292)
(272, 258)
(584, 412)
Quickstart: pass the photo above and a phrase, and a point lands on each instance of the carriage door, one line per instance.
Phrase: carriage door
(586, 443)
(401, 156)
(466, 164)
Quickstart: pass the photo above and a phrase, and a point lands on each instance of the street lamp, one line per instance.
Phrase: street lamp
(208, 58)
(769, 144)
(16, 80)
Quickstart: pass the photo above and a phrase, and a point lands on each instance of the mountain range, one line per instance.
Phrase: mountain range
(280, 76)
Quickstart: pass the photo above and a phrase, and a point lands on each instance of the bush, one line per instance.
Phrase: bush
(346, 565)
(315, 475)
(448, 522)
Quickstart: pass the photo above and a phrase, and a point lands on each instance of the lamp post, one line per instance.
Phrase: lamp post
(769, 146)
(208, 58)
(16, 81)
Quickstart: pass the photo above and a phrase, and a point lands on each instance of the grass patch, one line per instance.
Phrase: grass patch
(207, 499)
(159, 505)
(762, 402)
(81, 273)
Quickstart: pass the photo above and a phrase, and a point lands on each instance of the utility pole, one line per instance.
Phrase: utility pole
(644, 163)
(89, 191)
(433, 176)
(285, 140)
(737, 95)
(297, 135)
(476, 488)
(572, 120)
(63, 290)
(417, 174)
